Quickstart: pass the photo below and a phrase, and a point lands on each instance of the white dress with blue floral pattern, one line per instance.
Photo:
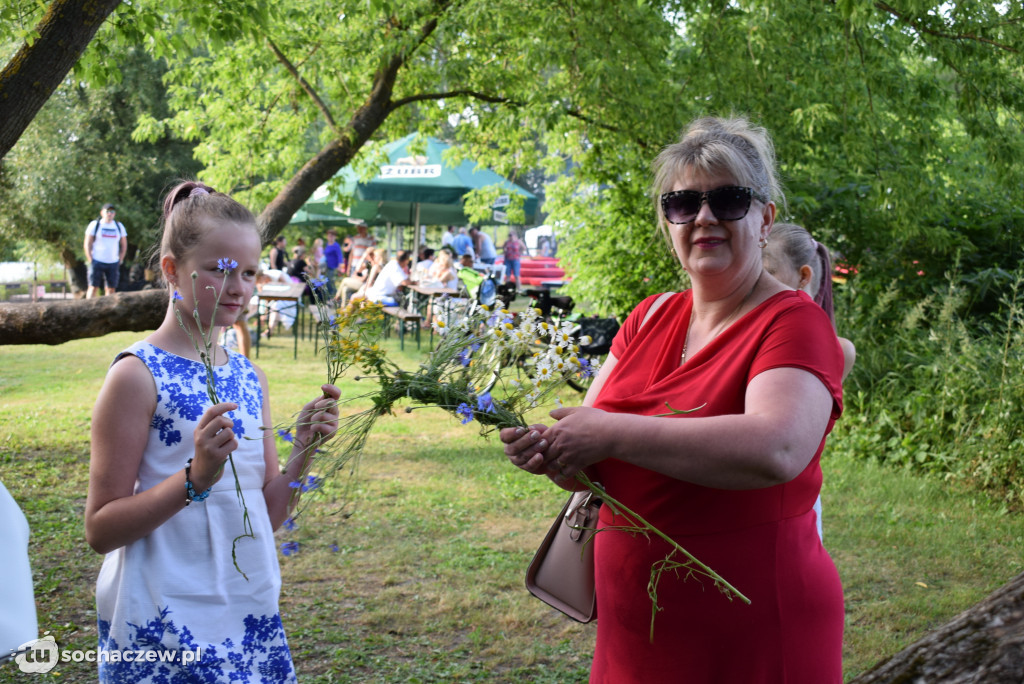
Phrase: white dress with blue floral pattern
(177, 590)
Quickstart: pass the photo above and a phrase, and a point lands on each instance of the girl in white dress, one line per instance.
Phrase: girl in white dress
(162, 504)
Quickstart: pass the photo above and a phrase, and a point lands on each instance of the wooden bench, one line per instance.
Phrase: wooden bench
(403, 317)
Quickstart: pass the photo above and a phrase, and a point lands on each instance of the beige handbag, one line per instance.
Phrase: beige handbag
(561, 573)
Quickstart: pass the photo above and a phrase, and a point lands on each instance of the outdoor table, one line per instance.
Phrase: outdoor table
(429, 291)
(281, 292)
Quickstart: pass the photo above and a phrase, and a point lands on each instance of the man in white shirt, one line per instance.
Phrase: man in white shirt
(106, 243)
(423, 265)
(394, 275)
(448, 236)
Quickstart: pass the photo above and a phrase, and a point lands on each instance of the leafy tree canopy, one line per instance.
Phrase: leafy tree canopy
(78, 154)
(898, 127)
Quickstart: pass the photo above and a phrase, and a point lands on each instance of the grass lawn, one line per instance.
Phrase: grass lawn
(419, 576)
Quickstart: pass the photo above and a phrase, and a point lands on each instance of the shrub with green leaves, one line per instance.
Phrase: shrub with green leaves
(935, 389)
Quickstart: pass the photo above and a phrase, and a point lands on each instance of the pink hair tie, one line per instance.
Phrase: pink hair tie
(198, 190)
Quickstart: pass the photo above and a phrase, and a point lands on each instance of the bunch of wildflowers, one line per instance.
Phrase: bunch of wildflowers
(346, 337)
(490, 367)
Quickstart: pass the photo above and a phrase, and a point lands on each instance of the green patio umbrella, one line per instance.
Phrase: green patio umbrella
(413, 189)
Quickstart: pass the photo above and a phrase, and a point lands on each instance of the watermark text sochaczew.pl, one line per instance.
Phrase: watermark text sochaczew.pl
(42, 655)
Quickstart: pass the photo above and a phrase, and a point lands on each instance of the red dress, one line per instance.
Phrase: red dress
(762, 541)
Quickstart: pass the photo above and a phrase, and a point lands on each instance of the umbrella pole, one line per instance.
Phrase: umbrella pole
(416, 237)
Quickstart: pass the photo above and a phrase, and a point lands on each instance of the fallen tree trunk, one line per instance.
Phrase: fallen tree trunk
(983, 644)
(59, 321)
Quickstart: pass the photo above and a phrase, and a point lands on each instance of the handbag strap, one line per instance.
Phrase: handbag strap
(655, 306)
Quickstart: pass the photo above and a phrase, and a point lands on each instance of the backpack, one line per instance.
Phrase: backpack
(96, 222)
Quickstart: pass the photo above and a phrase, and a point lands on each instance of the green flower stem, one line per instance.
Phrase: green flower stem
(205, 355)
(644, 527)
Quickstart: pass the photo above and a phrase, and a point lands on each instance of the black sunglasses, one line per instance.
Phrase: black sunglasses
(727, 203)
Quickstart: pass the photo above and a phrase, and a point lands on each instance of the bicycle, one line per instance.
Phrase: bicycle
(557, 310)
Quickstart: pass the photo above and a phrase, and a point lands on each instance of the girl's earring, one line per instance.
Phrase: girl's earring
(763, 242)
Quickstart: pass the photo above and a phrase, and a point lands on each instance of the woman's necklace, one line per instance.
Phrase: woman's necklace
(724, 324)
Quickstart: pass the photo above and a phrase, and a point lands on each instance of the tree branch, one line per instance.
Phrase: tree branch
(917, 26)
(476, 95)
(33, 74)
(364, 122)
(304, 84)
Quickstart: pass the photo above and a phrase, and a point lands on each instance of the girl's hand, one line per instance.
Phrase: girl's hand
(214, 440)
(318, 417)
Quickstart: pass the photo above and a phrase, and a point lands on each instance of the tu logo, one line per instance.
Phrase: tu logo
(38, 656)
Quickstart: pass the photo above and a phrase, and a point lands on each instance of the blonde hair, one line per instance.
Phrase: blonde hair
(793, 245)
(711, 146)
(443, 258)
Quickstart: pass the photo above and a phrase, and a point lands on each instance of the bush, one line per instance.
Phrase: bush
(934, 389)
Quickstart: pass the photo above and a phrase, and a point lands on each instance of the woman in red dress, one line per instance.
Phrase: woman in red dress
(758, 369)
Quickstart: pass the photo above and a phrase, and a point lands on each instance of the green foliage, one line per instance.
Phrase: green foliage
(881, 157)
(78, 154)
(936, 390)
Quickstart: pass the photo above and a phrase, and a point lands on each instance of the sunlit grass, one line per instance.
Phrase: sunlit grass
(434, 532)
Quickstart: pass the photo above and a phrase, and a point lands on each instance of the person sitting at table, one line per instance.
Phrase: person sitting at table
(393, 276)
(357, 281)
(277, 311)
(422, 270)
(442, 272)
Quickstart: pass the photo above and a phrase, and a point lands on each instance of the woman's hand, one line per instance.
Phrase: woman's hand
(572, 444)
(577, 441)
(525, 447)
(214, 440)
(318, 417)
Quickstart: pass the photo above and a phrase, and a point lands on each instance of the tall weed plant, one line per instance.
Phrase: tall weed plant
(934, 389)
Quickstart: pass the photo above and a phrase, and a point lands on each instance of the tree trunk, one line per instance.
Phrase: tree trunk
(983, 644)
(59, 321)
(30, 78)
(77, 271)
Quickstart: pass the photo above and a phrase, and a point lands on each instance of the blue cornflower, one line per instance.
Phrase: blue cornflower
(290, 547)
(484, 403)
(332, 322)
(227, 264)
(311, 483)
(466, 411)
(295, 484)
(289, 524)
(464, 356)
(318, 282)
(334, 548)
(285, 435)
(177, 296)
(586, 370)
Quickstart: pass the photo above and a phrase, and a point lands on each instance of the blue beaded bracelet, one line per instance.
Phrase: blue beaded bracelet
(190, 491)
